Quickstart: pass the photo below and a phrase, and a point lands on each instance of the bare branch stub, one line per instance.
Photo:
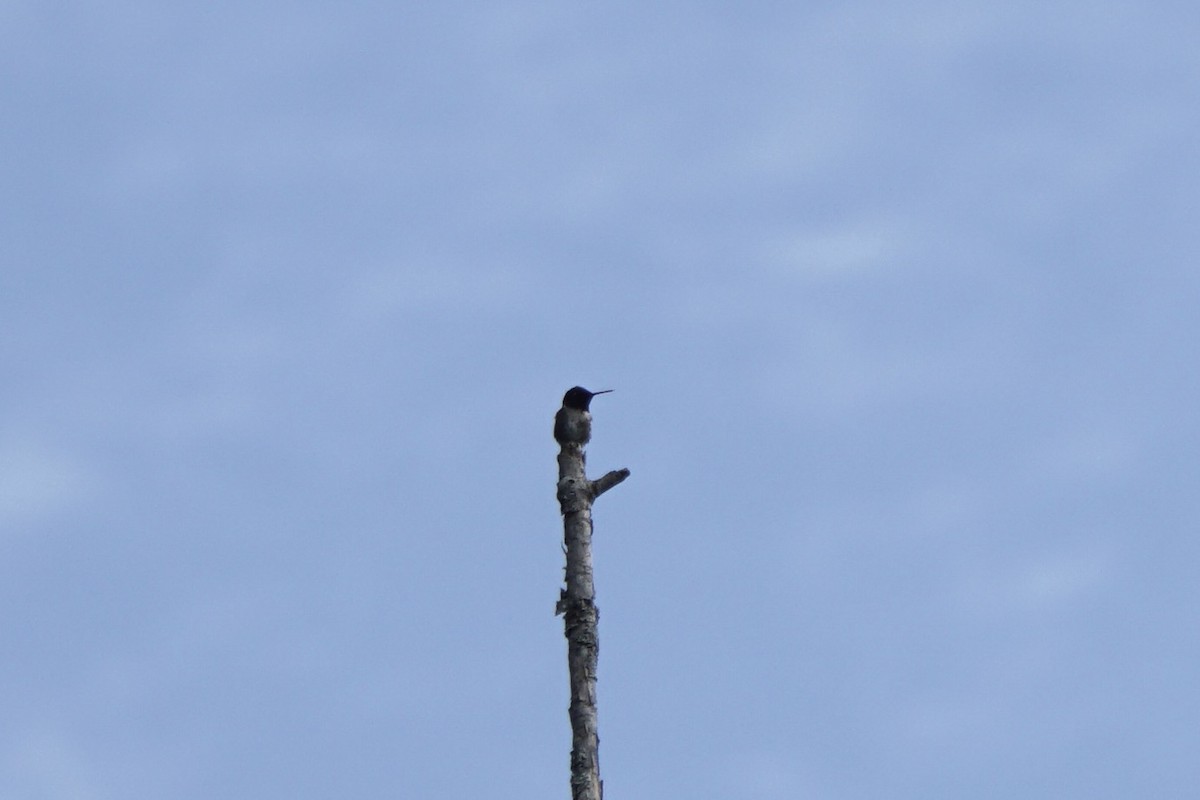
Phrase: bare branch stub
(608, 481)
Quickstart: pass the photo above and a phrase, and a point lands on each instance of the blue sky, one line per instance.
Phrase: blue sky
(898, 301)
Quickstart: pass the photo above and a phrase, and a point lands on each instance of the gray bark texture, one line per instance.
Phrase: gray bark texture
(577, 604)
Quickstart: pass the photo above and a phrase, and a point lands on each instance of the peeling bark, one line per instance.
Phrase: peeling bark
(577, 604)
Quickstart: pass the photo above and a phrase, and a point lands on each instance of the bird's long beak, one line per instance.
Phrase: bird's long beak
(602, 391)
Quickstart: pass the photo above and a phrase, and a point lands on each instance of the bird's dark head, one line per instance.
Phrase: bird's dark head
(580, 398)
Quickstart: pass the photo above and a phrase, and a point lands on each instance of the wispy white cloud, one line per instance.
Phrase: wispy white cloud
(850, 250)
(1085, 453)
(430, 285)
(37, 480)
(1027, 583)
(765, 775)
(46, 763)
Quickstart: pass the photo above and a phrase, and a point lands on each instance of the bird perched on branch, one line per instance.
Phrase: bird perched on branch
(573, 422)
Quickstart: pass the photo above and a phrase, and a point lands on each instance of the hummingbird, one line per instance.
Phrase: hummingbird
(573, 422)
